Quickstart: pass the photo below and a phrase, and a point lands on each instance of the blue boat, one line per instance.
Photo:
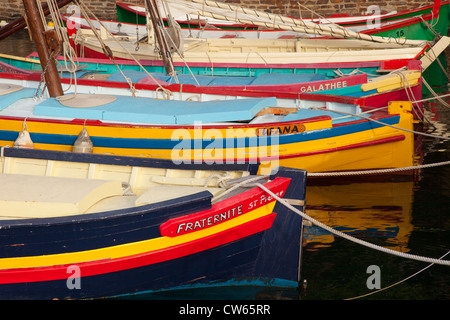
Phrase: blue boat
(159, 236)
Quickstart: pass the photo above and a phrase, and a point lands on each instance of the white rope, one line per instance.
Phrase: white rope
(376, 171)
(71, 62)
(86, 11)
(238, 185)
(439, 98)
(220, 10)
(386, 124)
(434, 97)
(353, 239)
(409, 93)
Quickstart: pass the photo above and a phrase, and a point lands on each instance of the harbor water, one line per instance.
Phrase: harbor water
(406, 215)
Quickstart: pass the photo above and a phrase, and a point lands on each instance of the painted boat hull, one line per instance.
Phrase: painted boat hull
(129, 251)
(129, 14)
(12, 64)
(310, 140)
(409, 24)
(103, 65)
(369, 95)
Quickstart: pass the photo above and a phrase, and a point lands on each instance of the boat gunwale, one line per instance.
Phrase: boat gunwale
(188, 88)
(203, 198)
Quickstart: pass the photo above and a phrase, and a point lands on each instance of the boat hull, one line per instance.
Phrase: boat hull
(144, 249)
(313, 143)
(379, 94)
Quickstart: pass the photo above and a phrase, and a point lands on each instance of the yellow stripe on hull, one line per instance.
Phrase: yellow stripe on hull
(351, 151)
(131, 248)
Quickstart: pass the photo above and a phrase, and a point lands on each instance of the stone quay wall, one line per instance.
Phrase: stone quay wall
(106, 9)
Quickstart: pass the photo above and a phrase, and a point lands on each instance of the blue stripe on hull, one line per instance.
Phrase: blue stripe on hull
(106, 142)
(242, 262)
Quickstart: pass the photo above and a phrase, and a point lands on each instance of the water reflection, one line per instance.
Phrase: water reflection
(378, 209)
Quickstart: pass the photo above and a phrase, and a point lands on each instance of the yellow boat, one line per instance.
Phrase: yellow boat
(235, 131)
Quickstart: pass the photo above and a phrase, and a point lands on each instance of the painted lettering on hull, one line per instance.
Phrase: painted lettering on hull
(228, 210)
(324, 86)
(272, 131)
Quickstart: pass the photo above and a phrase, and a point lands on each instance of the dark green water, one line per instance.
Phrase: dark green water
(407, 216)
(411, 216)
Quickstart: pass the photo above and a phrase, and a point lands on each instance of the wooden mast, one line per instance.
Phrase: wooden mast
(158, 27)
(43, 41)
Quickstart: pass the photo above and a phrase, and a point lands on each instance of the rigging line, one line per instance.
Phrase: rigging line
(351, 238)
(445, 104)
(296, 23)
(376, 171)
(388, 125)
(120, 44)
(71, 62)
(321, 17)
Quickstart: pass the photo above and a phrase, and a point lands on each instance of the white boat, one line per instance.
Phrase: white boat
(359, 47)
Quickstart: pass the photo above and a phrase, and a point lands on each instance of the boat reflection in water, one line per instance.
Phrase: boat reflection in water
(361, 209)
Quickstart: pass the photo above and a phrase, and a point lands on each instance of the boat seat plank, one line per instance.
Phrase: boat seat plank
(143, 110)
(46, 196)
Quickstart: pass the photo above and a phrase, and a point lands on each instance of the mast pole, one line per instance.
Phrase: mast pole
(45, 54)
(158, 29)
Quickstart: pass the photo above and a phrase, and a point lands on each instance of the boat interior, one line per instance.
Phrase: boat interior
(42, 188)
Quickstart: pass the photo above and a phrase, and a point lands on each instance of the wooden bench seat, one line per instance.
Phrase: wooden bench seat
(28, 196)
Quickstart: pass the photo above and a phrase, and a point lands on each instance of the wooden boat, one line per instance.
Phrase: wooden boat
(273, 82)
(372, 93)
(129, 30)
(96, 226)
(418, 23)
(253, 51)
(250, 130)
(420, 27)
(327, 71)
(431, 74)
(356, 21)
(130, 13)
(256, 51)
(421, 24)
(236, 130)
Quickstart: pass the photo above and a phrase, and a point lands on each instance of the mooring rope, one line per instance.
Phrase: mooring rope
(376, 171)
(386, 124)
(353, 239)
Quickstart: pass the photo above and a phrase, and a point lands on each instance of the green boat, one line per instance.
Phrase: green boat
(132, 13)
(429, 26)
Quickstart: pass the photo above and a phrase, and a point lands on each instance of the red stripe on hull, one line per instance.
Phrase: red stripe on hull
(108, 266)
